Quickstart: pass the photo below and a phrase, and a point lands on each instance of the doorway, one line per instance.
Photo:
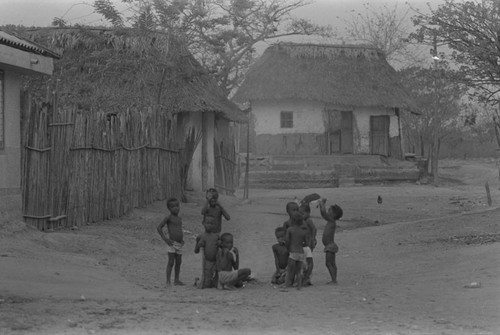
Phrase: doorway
(379, 135)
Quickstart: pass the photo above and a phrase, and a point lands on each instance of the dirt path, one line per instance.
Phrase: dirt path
(403, 273)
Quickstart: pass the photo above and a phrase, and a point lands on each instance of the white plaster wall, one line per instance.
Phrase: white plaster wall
(307, 117)
(10, 156)
(210, 119)
(362, 126)
(195, 174)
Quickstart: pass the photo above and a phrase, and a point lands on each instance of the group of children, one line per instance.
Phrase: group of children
(296, 238)
(220, 259)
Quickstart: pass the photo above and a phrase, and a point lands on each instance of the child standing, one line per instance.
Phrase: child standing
(208, 242)
(291, 207)
(214, 209)
(334, 213)
(296, 239)
(281, 255)
(228, 262)
(305, 210)
(174, 239)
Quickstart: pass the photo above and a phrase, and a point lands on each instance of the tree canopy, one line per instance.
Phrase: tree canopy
(471, 31)
(221, 34)
(387, 28)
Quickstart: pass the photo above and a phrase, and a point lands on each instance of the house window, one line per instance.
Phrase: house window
(286, 119)
(2, 117)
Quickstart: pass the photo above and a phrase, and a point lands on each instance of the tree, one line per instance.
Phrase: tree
(471, 30)
(438, 97)
(386, 28)
(221, 34)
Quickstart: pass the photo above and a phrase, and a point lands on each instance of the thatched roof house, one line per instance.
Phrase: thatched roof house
(344, 75)
(324, 99)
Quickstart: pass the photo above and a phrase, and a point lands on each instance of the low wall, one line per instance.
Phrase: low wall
(328, 171)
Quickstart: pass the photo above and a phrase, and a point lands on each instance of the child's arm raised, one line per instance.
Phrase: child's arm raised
(323, 212)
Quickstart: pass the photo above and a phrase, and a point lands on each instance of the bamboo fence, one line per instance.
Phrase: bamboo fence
(87, 166)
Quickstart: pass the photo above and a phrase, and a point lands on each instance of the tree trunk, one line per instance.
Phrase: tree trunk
(428, 165)
(496, 124)
(435, 158)
(422, 152)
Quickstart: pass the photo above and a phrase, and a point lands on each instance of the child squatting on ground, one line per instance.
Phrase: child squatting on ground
(208, 243)
(334, 213)
(281, 254)
(228, 261)
(174, 239)
(296, 239)
(214, 209)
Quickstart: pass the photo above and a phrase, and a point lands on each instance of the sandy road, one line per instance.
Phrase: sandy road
(403, 273)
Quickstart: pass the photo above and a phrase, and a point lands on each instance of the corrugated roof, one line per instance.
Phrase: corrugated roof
(344, 75)
(22, 44)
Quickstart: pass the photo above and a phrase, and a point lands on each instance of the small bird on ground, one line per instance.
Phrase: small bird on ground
(379, 200)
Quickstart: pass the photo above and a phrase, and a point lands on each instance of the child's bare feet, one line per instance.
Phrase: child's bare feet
(333, 282)
(169, 284)
(179, 283)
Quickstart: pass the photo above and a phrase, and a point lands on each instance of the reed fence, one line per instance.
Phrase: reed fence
(87, 166)
(226, 159)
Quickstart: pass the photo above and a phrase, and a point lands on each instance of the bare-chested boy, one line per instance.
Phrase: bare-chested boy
(334, 213)
(291, 207)
(281, 255)
(305, 210)
(174, 239)
(214, 209)
(209, 241)
(296, 239)
(228, 262)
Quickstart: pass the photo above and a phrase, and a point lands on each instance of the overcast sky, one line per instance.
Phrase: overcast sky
(325, 12)
(41, 12)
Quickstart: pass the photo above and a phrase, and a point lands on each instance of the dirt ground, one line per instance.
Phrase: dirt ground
(404, 267)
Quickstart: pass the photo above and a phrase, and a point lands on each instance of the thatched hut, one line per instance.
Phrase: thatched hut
(113, 70)
(310, 99)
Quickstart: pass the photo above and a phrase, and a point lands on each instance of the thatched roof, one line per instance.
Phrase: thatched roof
(340, 75)
(128, 67)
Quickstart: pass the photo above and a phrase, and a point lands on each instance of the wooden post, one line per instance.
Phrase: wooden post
(247, 167)
(204, 153)
(488, 194)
